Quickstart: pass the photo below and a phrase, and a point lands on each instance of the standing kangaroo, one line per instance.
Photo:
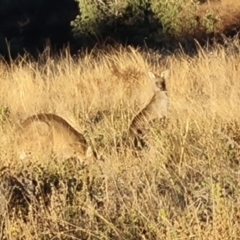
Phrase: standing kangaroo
(50, 133)
(156, 109)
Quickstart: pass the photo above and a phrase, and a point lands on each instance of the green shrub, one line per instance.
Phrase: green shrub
(149, 19)
(93, 14)
(209, 20)
(176, 16)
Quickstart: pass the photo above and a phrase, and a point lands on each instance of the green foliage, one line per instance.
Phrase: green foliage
(209, 20)
(176, 16)
(93, 14)
(86, 21)
(149, 19)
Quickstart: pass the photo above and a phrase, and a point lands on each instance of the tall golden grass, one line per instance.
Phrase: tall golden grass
(185, 186)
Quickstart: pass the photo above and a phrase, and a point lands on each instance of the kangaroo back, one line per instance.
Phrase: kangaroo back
(55, 134)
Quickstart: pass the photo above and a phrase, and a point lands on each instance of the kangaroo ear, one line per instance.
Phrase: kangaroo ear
(165, 74)
(151, 75)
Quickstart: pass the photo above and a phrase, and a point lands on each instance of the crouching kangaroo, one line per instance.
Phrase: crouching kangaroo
(50, 133)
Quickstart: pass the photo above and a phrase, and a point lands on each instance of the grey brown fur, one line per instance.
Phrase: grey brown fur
(51, 133)
(157, 108)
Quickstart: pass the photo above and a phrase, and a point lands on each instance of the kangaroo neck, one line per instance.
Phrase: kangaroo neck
(159, 95)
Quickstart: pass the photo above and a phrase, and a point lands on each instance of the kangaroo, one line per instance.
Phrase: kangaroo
(50, 133)
(156, 109)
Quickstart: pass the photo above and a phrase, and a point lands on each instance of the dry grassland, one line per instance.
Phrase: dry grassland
(185, 186)
(225, 12)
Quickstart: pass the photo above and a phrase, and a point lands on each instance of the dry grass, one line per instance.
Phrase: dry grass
(184, 187)
(227, 14)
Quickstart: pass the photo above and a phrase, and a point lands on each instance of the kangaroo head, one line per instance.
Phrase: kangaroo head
(159, 82)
